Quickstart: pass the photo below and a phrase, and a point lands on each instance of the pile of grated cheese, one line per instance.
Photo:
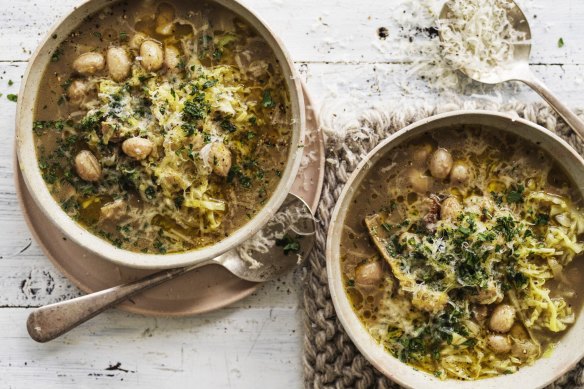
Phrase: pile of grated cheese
(483, 38)
(478, 35)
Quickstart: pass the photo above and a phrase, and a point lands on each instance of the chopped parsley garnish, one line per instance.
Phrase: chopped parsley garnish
(506, 226)
(289, 243)
(227, 125)
(91, 122)
(57, 54)
(236, 173)
(497, 197)
(386, 226)
(514, 277)
(178, 201)
(208, 84)
(541, 219)
(430, 339)
(196, 109)
(158, 245)
(150, 193)
(516, 195)
(12, 97)
(267, 100)
(189, 129)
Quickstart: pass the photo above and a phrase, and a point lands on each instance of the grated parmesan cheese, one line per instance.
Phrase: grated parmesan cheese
(478, 36)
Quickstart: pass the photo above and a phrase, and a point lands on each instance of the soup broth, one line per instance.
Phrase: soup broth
(461, 253)
(162, 127)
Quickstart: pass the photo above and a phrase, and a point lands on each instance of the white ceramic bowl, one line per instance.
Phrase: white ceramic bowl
(569, 350)
(32, 175)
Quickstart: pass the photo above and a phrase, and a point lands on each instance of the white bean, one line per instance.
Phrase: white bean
(87, 166)
(118, 63)
(460, 173)
(152, 55)
(440, 163)
(502, 318)
(368, 274)
(420, 182)
(171, 57)
(220, 159)
(421, 154)
(450, 208)
(499, 343)
(137, 40)
(524, 349)
(165, 20)
(137, 148)
(89, 63)
(76, 92)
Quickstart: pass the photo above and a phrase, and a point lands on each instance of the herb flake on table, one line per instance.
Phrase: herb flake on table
(289, 244)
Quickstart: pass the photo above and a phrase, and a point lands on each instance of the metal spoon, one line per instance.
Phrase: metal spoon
(51, 321)
(518, 68)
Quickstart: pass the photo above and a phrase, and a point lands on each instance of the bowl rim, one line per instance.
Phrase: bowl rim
(27, 158)
(390, 366)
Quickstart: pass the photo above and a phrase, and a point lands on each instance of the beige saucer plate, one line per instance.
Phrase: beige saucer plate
(202, 290)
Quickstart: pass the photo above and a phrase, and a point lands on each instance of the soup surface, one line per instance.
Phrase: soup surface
(162, 127)
(461, 253)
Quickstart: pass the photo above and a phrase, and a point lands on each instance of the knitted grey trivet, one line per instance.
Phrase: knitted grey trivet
(330, 358)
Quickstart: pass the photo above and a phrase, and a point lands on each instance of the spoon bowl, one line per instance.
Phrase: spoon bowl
(521, 49)
(517, 67)
(265, 263)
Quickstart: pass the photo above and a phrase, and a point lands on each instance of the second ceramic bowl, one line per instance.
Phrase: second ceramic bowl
(568, 351)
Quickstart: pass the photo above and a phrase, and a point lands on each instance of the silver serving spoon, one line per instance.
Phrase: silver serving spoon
(51, 321)
(518, 68)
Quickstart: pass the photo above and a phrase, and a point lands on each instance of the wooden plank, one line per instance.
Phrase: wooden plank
(228, 348)
(335, 31)
(32, 281)
(29, 280)
(369, 84)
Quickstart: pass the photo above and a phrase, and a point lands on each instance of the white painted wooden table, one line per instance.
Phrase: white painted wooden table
(258, 341)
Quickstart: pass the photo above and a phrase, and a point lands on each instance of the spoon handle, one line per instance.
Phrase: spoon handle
(562, 109)
(51, 321)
